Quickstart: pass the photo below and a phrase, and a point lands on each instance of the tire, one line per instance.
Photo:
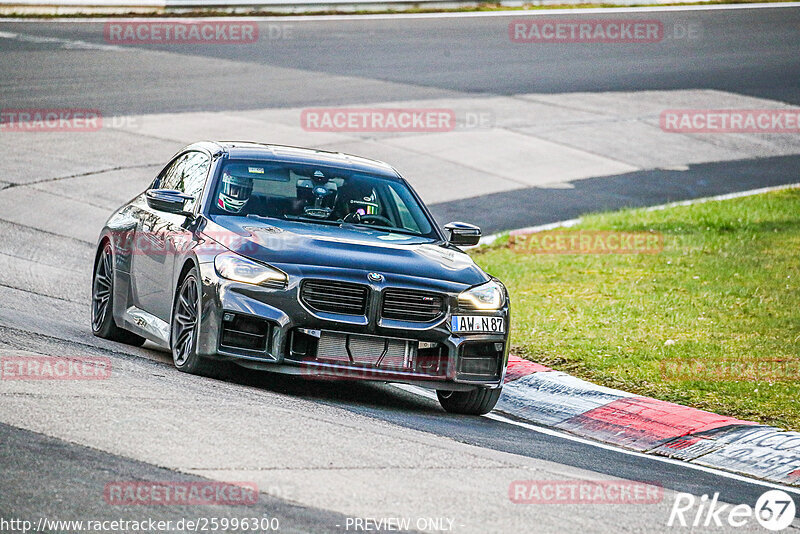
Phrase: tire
(478, 401)
(185, 324)
(103, 324)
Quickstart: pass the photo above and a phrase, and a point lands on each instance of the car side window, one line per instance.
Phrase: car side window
(186, 174)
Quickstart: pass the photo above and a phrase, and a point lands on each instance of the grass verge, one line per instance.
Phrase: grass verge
(711, 321)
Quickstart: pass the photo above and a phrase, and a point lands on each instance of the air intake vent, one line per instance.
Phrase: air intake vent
(244, 332)
(334, 297)
(409, 305)
(480, 361)
(365, 350)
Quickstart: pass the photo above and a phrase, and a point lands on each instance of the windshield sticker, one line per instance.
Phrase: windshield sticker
(255, 170)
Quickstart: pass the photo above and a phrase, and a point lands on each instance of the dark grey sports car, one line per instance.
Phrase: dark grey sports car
(303, 262)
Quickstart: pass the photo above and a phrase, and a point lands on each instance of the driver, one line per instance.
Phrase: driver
(235, 192)
(358, 199)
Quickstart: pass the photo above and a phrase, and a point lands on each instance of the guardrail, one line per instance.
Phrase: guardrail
(230, 6)
(111, 7)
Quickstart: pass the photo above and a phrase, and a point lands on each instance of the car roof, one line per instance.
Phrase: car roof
(293, 154)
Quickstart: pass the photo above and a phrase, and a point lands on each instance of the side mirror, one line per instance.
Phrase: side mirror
(463, 234)
(168, 200)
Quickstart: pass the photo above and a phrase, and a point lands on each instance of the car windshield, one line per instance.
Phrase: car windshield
(317, 194)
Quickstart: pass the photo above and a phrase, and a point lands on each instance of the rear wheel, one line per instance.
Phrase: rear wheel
(103, 324)
(478, 401)
(186, 327)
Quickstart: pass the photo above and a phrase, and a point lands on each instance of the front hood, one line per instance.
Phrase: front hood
(288, 243)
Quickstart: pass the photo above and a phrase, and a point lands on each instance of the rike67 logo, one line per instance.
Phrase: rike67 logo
(774, 510)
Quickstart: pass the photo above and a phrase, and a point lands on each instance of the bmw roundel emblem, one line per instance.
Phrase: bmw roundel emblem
(375, 277)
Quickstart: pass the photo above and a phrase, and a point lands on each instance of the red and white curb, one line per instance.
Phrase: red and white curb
(557, 400)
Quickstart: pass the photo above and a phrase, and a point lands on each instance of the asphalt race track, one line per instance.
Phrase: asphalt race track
(562, 129)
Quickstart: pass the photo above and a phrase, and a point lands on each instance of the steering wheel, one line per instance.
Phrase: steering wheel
(369, 219)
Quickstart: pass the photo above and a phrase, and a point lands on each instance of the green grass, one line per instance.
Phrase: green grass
(726, 287)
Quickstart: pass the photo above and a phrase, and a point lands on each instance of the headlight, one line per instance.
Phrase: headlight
(235, 267)
(488, 296)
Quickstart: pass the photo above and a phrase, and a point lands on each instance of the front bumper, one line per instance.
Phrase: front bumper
(431, 354)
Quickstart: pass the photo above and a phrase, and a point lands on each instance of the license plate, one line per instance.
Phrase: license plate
(477, 323)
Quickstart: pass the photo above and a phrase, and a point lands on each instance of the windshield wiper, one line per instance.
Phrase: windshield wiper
(262, 217)
(389, 229)
(309, 220)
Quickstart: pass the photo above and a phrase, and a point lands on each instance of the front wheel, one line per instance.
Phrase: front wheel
(478, 401)
(103, 324)
(186, 326)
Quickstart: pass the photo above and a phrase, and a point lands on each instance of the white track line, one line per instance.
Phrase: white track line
(664, 459)
(564, 435)
(65, 43)
(470, 14)
(727, 196)
(489, 239)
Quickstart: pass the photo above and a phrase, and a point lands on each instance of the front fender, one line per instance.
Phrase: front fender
(119, 231)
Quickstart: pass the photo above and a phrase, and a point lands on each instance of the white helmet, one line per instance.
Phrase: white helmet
(235, 192)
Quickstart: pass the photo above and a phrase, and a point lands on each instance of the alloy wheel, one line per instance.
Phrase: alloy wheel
(184, 325)
(102, 287)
